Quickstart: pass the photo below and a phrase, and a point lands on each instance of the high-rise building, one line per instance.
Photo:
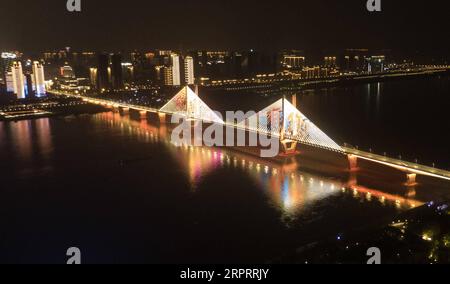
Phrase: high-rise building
(293, 62)
(29, 85)
(355, 60)
(375, 64)
(18, 80)
(93, 76)
(6, 61)
(67, 72)
(128, 72)
(330, 61)
(189, 70)
(116, 71)
(9, 82)
(292, 59)
(38, 79)
(176, 77)
(168, 76)
(103, 74)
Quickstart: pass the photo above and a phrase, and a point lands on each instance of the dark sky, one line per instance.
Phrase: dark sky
(37, 25)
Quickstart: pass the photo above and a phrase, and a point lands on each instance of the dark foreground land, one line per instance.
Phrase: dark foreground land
(419, 236)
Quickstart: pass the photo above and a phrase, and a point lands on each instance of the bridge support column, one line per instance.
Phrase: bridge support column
(289, 147)
(411, 180)
(125, 110)
(352, 179)
(162, 118)
(352, 162)
(143, 114)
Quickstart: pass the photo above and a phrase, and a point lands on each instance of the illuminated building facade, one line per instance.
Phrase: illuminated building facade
(116, 72)
(375, 64)
(103, 72)
(176, 77)
(93, 76)
(189, 70)
(355, 60)
(9, 82)
(168, 78)
(38, 79)
(18, 80)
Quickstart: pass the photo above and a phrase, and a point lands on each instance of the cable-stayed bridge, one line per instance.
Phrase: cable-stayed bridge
(281, 120)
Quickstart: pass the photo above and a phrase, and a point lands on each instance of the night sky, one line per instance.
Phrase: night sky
(40, 25)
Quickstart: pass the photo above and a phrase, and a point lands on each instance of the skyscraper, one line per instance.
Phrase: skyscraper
(117, 74)
(38, 79)
(6, 62)
(93, 76)
(67, 72)
(29, 85)
(103, 82)
(9, 82)
(168, 76)
(189, 70)
(176, 77)
(18, 80)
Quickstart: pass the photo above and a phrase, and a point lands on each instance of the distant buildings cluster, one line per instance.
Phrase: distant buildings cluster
(105, 72)
(25, 79)
(180, 70)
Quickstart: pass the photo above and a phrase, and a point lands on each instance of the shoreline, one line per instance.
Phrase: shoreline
(307, 84)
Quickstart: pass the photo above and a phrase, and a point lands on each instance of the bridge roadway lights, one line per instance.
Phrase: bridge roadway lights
(352, 162)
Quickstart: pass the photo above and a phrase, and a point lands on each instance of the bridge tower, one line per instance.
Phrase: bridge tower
(282, 119)
(187, 103)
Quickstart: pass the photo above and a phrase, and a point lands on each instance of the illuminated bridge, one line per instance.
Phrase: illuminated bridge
(281, 120)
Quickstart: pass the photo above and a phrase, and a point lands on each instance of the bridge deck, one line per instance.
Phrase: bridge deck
(399, 164)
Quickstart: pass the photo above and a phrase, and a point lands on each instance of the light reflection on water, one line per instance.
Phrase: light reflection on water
(289, 189)
(29, 144)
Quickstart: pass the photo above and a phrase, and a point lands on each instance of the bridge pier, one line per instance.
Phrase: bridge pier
(411, 179)
(125, 110)
(352, 162)
(288, 147)
(162, 118)
(352, 179)
(143, 114)
(108, 106)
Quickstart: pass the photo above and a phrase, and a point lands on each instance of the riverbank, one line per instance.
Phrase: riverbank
(47, 107)
(289, 84)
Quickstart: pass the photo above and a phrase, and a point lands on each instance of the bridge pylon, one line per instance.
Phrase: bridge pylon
(283, 120)
(188, 104)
